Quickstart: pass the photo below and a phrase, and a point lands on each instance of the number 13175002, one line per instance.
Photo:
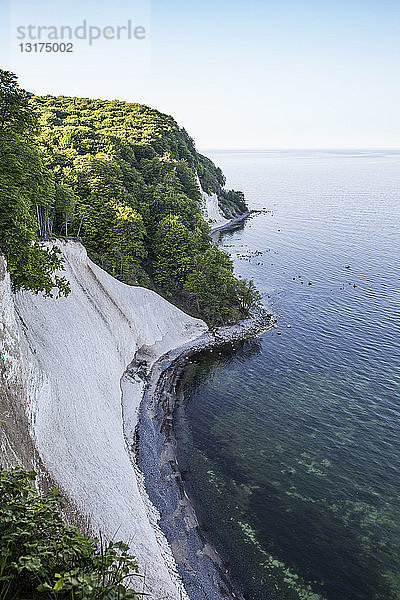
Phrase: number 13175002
(46, 47)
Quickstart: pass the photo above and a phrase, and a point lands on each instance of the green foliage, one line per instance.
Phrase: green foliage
(219, 296)
(42, 557)
(175, 249)
(125, 238)
(189, 265)
(15, 113)
(211, 177)
(122, 177)
(25, 188)
(232, 203)
(131, 174)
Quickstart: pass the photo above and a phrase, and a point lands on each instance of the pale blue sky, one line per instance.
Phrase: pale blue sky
(236, 74)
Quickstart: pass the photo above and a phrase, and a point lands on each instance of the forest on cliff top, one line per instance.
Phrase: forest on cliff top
(123, 178)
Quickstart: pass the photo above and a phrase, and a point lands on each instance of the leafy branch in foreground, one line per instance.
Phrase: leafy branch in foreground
(41, 557)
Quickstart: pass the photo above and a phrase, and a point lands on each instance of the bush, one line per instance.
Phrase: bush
(42, 557)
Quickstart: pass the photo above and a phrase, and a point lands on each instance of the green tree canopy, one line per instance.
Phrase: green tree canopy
(122, 177)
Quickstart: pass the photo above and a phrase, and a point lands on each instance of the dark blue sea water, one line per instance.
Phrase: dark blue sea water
(291, 442)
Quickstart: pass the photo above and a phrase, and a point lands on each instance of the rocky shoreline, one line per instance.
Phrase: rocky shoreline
(231, 225)
(202, 570)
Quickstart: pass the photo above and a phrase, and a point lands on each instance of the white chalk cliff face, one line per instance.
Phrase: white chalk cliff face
(61, 362)
(210, 208)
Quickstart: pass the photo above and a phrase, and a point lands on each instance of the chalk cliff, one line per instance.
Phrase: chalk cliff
(61, 364)
(210, 208)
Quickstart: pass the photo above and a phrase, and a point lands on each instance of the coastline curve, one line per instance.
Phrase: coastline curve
(202, 570)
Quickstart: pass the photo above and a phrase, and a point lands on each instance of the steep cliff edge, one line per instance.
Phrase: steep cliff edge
(61, 364)
(210, 208)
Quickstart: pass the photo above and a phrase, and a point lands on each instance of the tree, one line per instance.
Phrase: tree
(212, 286)
(175, 249)
(15, 113)
(25, 185)
(126, 239)
(248, 295)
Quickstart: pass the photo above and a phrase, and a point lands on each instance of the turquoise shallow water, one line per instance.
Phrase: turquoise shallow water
(291, 443)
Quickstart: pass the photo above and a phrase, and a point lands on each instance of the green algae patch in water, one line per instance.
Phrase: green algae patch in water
(284, 580)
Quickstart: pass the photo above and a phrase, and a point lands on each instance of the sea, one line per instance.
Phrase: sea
(290, 442)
